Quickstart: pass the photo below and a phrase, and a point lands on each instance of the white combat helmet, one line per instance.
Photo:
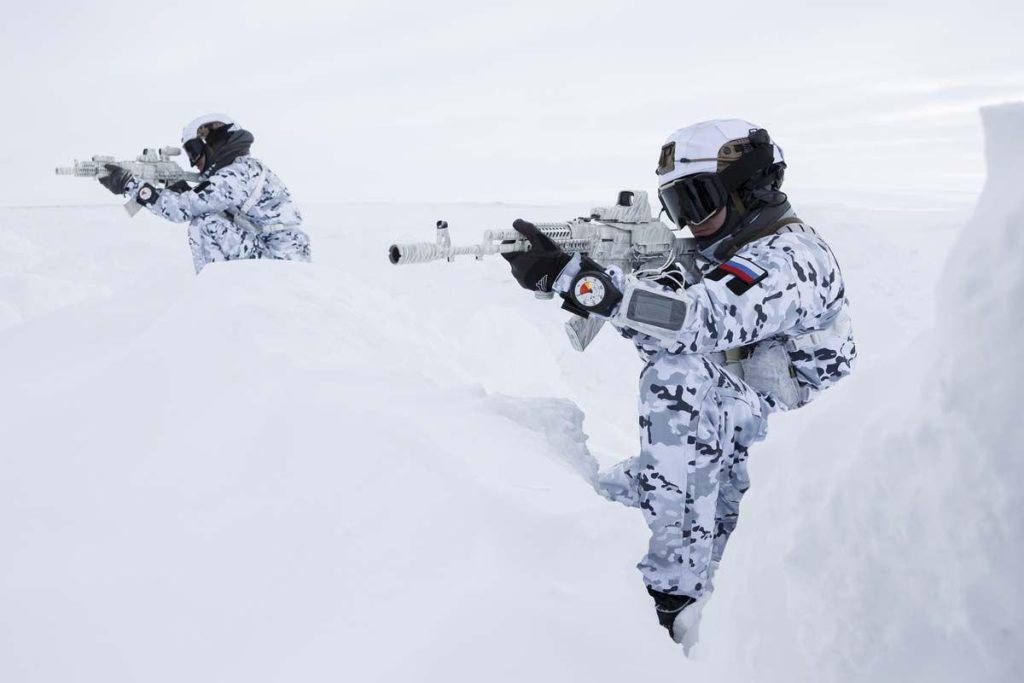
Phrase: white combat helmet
(191, 130)
(702, 147)
(704, 165)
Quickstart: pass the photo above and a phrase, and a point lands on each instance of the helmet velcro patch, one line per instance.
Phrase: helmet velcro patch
(667, 160)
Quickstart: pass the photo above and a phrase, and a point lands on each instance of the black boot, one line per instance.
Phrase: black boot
(669, 606)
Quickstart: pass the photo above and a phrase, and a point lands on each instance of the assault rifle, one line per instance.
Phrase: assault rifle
(625, 235)
(152, 166)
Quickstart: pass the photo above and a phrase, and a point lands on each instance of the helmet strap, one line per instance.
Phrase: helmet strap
(737, 204)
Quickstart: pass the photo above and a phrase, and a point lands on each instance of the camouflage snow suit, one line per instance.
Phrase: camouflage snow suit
(698, 417)
(219, 228)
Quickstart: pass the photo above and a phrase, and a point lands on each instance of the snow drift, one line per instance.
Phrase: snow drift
(899, 533)
(347, 470)
(285, 472)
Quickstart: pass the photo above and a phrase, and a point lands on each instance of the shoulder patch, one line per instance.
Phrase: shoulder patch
(742, 273)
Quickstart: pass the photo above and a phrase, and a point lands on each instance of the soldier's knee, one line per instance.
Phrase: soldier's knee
(209, 225)
(290, 245)
(684, 374)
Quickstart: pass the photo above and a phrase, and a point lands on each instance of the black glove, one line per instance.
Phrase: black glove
(669, 606)
(180, 187)
(117, 178)
(536, 269)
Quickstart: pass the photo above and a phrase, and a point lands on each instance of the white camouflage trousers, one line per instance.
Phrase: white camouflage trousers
(214, 237)
(697, 422)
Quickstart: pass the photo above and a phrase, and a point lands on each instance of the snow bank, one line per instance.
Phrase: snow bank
(285, 472)
(899, 529)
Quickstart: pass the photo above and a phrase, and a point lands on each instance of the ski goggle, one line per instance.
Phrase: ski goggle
(195, 148)
(693, 199)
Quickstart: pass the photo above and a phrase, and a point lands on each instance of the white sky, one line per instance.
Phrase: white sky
(526, 101)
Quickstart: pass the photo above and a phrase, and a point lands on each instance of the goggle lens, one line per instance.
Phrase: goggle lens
(691, 200)
(195, 148)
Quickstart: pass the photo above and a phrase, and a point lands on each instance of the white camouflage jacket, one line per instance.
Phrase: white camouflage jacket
(226, 191)
(779, 297)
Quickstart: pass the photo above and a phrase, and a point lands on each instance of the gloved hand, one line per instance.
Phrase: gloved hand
(117, 179)
(180, 187)
(536, 269)
(668, 607)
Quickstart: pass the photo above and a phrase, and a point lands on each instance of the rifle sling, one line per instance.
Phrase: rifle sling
(758, 234)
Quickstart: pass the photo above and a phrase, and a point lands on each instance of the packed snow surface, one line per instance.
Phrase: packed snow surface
(354, 471)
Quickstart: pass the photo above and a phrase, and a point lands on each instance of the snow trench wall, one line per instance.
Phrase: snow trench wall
(905, 563)
(980, 368)
(980, 297)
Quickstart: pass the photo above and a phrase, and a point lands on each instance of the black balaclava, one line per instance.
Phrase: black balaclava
(223, 146)
(753, 209)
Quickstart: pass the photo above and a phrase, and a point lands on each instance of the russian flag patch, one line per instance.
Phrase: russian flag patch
(742, 274)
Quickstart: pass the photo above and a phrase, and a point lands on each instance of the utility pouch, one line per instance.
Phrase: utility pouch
(769, 370)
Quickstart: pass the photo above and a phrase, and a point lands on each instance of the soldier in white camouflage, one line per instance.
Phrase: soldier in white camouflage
(239, 210)
(757, 324)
